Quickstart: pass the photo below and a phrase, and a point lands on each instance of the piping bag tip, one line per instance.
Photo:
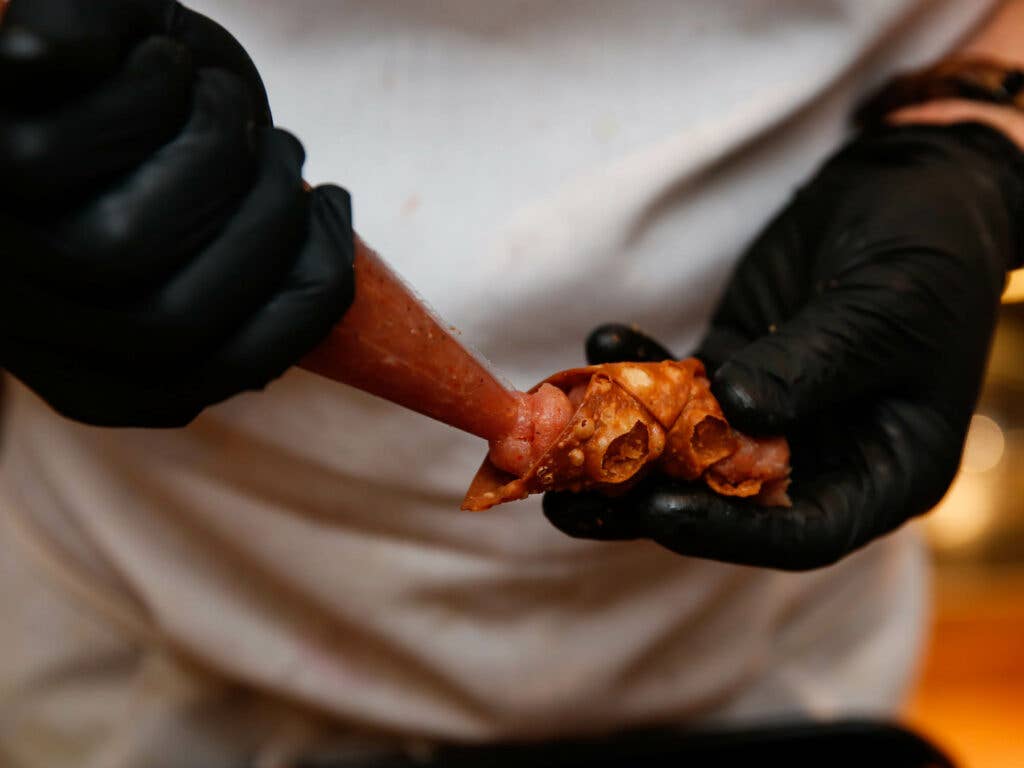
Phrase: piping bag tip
(391, 344)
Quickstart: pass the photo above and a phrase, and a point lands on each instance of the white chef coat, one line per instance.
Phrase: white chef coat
(293, 568)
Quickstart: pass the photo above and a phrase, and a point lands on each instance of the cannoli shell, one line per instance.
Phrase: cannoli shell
(632, 416)
(608, 440)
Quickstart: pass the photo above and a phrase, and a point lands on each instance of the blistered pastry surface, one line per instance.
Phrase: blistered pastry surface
(634, 417)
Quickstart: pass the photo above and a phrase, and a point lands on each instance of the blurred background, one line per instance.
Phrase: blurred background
(970, 697)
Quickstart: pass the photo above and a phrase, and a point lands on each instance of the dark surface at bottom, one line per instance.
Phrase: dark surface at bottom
(843, 744)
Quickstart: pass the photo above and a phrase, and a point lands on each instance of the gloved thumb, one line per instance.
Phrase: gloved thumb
(830, 353)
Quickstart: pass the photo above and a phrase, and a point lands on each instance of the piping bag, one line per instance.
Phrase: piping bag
(391, 345)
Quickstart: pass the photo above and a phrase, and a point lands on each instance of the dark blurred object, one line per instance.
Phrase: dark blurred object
(838, 745)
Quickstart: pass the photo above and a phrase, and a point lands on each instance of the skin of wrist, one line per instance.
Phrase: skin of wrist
(1007, 120)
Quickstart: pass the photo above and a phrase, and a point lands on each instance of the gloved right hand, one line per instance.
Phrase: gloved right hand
(158, 252)
(857, 324)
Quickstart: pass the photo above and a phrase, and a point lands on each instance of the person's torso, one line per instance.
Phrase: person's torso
(534, 169)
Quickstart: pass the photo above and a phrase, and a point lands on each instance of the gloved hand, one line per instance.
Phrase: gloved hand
(158, 252)
(858, 324)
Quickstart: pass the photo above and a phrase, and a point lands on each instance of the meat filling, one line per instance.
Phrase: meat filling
(543, 416)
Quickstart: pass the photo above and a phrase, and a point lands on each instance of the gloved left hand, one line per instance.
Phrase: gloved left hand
(158, 251)
(858, 325)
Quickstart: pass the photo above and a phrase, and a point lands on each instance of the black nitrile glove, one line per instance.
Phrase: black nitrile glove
(858, 324)
(157, 250)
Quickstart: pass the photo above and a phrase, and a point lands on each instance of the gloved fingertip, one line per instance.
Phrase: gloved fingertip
(695, 522)
(719, 345)
(684, 506)
(338, 199)
(588, 516)
(604, 343)
(751, 399)
(330, 251)
(333, 209)
(294, 146)
(616, 342)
